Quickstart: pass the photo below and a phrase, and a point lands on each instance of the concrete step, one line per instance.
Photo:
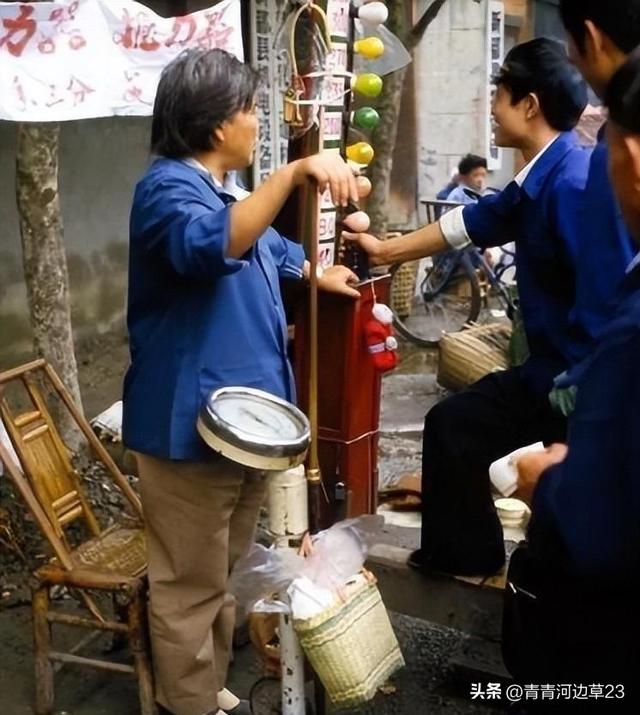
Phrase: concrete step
(466, 605)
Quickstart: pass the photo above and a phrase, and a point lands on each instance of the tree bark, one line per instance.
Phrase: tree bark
(44, 259)
(386, 134)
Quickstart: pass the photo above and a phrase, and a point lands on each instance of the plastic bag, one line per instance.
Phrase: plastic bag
(340, 551)
(395, 55)
(262, 573)
(338, 554)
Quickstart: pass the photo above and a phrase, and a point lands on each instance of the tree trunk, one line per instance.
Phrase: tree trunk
(385, 136)
(45, 263)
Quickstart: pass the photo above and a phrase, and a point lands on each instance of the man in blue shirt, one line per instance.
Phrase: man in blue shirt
(205, 311)
(539, 99)
(472, 173)
(601, 34)
(571, 611)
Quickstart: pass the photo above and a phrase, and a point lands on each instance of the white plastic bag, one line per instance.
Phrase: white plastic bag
(262, 573)
(340, 551)
(338, 554)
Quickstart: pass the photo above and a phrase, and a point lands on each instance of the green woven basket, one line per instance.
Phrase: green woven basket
(352, 646)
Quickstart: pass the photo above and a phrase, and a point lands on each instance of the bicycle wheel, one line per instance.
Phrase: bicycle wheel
(438, 304)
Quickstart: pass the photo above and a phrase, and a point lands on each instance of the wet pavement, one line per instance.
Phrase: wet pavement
(426, 686)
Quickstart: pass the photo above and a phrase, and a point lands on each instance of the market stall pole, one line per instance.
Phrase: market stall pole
(338, 384)
(340, 390)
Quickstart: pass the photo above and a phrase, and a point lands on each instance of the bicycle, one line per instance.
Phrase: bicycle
(449, 295)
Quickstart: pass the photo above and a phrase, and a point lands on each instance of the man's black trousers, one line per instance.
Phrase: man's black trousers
(463, 435)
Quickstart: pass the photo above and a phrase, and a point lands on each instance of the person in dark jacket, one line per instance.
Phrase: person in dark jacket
(571, 600)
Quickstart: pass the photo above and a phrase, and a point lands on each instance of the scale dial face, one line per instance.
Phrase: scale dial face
(265, 421)
(242, 423)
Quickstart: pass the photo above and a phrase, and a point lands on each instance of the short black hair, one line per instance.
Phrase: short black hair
(618, 19)
(542, 67)
(623, 95)
(199, 91)
(470, 163)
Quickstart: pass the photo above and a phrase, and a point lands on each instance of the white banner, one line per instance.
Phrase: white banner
(75, 59)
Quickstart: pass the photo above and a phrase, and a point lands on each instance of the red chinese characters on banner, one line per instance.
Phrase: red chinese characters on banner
(216, 33)
(62, 19)
(19, 90)
(134, 93)
(17, 31)
(76, 92)
(79, 90)
(138, 32)
(184, 29)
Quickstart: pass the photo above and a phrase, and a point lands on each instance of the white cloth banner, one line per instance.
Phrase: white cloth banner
(75, 59)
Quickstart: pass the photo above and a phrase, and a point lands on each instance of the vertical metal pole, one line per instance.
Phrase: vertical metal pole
(291, 668)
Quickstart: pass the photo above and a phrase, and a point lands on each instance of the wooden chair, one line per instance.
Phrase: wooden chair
(110, 561)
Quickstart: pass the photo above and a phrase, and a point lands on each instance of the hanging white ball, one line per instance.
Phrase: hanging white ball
(374, 13)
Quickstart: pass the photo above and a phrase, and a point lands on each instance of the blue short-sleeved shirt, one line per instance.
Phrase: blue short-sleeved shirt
(198, 320)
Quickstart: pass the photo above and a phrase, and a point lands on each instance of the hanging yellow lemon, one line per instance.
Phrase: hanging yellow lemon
(361, 153)
(370, 48)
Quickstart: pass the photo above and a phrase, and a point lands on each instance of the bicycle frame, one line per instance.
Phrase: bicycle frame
(449, 262)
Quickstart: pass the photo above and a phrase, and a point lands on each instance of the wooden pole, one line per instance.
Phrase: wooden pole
(314, 476)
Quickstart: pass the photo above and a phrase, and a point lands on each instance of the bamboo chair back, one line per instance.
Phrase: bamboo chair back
(46, 462)
(51, 488)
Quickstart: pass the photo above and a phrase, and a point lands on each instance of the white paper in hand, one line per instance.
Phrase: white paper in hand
(504, 473)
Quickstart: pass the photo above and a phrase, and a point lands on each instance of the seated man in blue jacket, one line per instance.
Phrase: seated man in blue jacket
(205, 311)
(571, 610)
(539, 99)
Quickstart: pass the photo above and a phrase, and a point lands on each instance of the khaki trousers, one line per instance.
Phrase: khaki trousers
(200, 517)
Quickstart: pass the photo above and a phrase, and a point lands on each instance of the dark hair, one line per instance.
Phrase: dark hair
(198, 92)
(618, 19)
(623, 95)
(470, 163)
(542, 67)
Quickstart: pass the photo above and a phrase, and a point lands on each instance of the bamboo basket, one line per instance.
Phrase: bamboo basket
(351, 645)
(470, 354)
(403, 288)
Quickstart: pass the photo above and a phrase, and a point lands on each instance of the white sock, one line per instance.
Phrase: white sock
(227, 700)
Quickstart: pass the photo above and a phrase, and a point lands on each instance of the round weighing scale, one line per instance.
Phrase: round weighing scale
(254, 428)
